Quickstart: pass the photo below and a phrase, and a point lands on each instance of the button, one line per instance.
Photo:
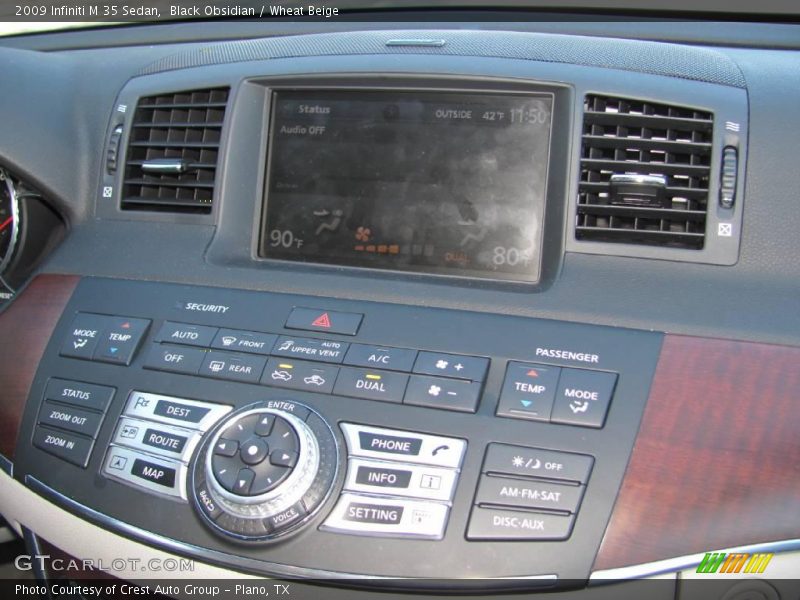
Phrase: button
(253, 451)
(388, 517)
(244, 341)
(151, 473)
(727, 178)
(528, 391)
(283, 458)
(84, 334)
(70, 418)
(449, 394)
(243, 482)
(371, 385)
(158, 438)
(328, 321)
(264, 425)
(298, 375)
(405, 446)
(175, 411)
(238, 367)
(583, 397)
(267, 477)
(504, 491)
(76, 393)
(67, 446)
(287, 516)
(413, 481)
(452, 365)
(175, 359)
(497, 524)
(380, 357)
(206, 503)
(533, 462)
(184, 333)
(226, 447)
(120, 340)
(320, 350)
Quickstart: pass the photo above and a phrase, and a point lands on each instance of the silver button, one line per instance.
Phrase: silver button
(388, 517)
(398, 479)
(157, 438)
(175, 411)
(403, 446)
(155, 474)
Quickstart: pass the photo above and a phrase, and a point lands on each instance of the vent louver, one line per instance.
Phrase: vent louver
(172, 154)
(657, 142)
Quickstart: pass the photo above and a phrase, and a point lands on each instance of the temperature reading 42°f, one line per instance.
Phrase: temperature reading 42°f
(284, 238)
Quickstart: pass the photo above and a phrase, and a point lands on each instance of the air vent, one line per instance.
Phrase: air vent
(172, 153)
(644, 173)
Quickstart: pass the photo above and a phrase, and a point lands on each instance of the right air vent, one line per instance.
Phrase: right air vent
(645, 171)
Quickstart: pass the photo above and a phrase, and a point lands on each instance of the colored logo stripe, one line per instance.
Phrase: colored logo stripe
(721, 562)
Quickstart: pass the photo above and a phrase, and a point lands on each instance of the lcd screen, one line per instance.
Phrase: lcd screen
(429, 182)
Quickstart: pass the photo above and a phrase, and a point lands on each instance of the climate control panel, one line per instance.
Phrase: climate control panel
(441, 438)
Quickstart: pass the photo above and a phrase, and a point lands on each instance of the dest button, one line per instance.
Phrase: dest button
(528, 391)
(329, 321)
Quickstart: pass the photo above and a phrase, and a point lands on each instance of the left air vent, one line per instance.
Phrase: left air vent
(173, 148)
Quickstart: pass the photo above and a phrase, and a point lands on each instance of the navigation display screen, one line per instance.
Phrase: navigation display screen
(431, 182)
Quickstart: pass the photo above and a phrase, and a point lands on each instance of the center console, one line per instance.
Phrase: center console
(290, 435)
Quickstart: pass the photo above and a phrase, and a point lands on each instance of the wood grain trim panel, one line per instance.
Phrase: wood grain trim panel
(25, 329)
(716, 463)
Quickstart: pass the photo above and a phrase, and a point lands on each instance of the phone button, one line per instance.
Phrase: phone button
(405, 446)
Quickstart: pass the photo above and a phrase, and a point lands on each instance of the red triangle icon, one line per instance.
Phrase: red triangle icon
(322, 321)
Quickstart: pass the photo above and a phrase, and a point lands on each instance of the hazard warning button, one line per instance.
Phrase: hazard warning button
(315, 319)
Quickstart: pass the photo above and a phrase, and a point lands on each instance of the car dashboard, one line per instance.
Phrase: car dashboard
(477, 309)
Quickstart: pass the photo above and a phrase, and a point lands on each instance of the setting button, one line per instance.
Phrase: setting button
(528, 391)
(244, 341)
(120, 340)
(66, 446)
(534, 462)
(84, 334)
(504, 491)
(234, 366)
(497, 524)
(583, 397)
(397, 479)
(76, 393)
(70, 418)
(184, 333)
(380, 357)
(452, 365)
(371, 385)
(447, 394)
(404, 446)
(329, 321)
(388, 517)
(310, 349)
(299, 375)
